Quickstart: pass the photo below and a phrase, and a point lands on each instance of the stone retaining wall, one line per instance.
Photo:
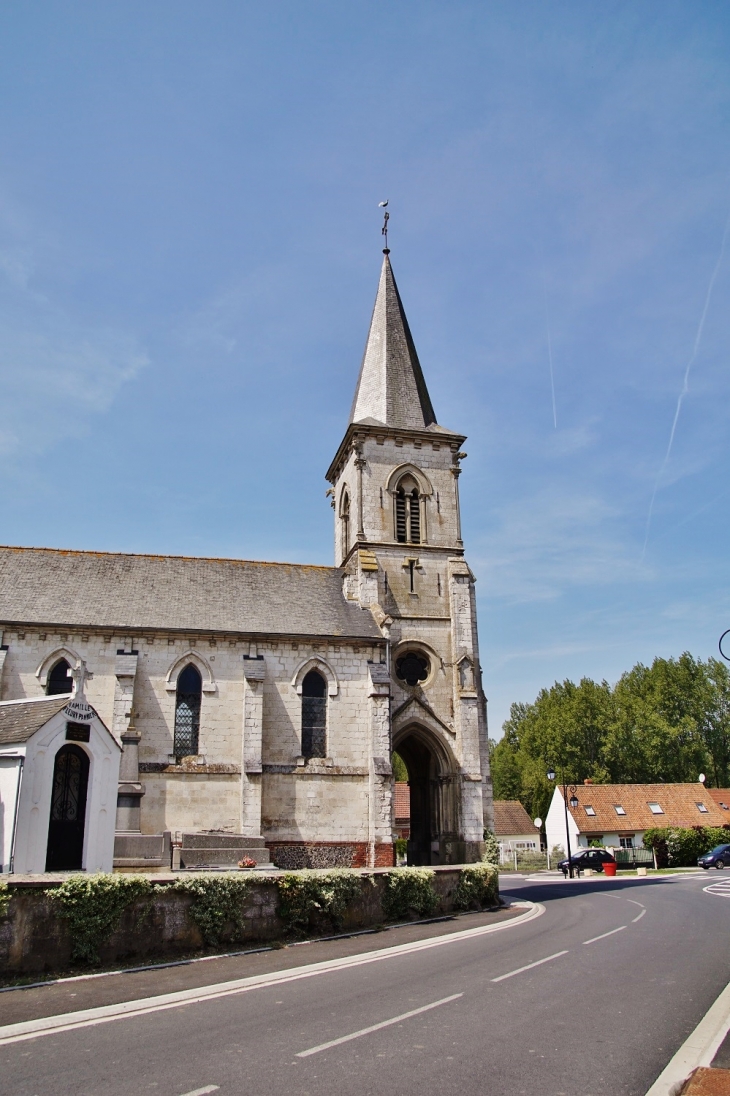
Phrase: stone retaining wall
(35, 938)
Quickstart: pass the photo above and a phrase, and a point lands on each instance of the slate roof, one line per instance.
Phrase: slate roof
(176, 593)
(391, 389)
(511, 817)
(678, 802)
(19, 719)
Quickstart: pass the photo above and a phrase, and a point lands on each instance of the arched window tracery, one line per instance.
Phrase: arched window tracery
(187, 711)
(59, 679)
(314, 715)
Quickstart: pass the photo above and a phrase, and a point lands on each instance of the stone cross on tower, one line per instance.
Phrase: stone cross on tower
(80, 675)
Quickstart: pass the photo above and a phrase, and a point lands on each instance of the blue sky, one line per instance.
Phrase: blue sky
(189, 252)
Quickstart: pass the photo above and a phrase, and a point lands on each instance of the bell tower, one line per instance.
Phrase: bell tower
(395, 492)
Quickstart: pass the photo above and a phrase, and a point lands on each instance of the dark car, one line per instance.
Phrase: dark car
(715, 858)
(587, 858)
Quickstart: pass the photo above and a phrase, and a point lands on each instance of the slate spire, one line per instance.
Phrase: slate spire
(391, 388)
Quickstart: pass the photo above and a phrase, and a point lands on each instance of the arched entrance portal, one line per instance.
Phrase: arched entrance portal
(433, 783)
(68, 810)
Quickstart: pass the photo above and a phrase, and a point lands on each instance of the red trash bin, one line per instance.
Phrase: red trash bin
(610, 869)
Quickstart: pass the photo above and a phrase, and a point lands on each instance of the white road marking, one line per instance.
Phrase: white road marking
(529, 966)
(635, 919)
(722, 888)
(104, 1014)
(698, 1050)
(605, 934)
(376, 1027)
(203, 1091)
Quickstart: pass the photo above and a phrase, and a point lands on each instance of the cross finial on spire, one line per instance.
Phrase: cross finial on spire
(384, 229)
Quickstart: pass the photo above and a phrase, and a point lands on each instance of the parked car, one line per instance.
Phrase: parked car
(715, 858)
(588, 858)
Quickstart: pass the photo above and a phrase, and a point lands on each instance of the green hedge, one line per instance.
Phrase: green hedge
(679, 848)
(409, 891)
(478, 887)
(4, 898)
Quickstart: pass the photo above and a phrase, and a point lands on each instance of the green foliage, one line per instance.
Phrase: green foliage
(409, 891)
(4, 899)
(491, 848)
(664, 723)
(679, 848)
(93, 906)
(400, 772)
(311, 893)
(217, 901)
(596, 843)
(478, 887)
(401, 847)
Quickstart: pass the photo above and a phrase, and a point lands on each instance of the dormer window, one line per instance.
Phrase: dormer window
(590, 810)
(655, 808)
(408, 512)
(619, 809)
(702, 808)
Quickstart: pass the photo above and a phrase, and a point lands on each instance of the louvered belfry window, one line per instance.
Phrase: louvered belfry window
(314, 715)
(407, 513)
(400, 516)
(415, 516)
(187, 711)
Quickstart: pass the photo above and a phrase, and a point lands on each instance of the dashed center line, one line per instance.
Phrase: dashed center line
(521, 970)
(635, 919)
(203, 1091)
(373, 1027)
(605, 934)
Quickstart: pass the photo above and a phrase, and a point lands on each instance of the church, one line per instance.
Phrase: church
(257, 705)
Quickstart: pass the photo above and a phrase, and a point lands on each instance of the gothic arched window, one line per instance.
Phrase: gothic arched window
(314, 715)
(408, 512)
(59, 681)
(187, 711)
(345, 512)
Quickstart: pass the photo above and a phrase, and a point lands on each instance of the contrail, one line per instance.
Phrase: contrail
(685, 385)
(550, 351)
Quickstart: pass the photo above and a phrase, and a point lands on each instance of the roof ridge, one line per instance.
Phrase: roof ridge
(160, 555)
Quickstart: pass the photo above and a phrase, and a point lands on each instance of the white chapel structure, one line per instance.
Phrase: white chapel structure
(256, 705)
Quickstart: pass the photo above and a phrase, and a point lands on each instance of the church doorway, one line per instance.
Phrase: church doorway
(68, 810)
(431, 787)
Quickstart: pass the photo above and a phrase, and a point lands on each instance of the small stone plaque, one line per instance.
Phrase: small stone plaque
(78, 732)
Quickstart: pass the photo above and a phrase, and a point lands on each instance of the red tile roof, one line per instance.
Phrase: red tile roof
(721, 796)
(511, 817)
(679, 803)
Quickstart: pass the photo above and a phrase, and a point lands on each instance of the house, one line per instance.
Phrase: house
(514, 828)
(721, 796)
(59, 771)
(618, 815)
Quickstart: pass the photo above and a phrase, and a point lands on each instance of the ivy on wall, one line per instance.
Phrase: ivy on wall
(4, 898)
(309, 894)
(217, 901)
(93, 905)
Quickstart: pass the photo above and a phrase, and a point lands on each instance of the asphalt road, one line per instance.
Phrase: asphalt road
(618, 973)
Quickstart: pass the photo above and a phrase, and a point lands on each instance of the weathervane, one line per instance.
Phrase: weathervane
(386, 218)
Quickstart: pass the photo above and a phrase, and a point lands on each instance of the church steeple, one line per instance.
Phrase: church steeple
(391, 388)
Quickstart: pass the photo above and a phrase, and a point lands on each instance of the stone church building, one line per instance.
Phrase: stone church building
(257, 704)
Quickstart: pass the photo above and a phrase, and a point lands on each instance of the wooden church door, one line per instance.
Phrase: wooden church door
(68, 810)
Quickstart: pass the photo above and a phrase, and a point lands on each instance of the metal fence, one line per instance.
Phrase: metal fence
(634, 858)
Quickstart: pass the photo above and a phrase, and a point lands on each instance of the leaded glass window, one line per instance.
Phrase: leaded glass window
(187, 711)
(314, 715)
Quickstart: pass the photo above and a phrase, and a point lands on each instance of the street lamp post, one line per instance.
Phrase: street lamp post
(573, 802)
